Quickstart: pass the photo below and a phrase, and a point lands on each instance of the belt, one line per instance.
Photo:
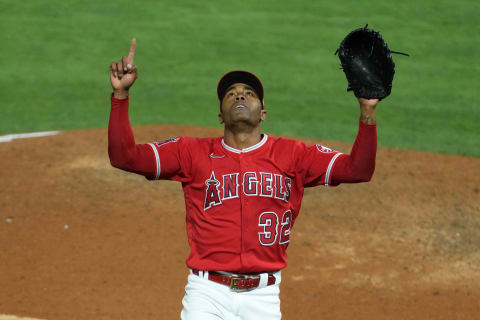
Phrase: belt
(237, 282)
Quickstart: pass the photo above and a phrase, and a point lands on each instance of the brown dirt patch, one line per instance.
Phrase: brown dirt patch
(81, 240)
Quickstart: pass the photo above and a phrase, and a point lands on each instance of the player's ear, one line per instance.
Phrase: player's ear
(220, 118)
(263, 115)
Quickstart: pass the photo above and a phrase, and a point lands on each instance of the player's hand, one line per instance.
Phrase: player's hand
(124, 73)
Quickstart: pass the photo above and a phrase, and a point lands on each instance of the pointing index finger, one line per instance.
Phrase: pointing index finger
(131, 53)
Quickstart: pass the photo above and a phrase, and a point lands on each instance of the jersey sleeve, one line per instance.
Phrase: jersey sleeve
(359, 165)
(168, 159)
(172, 159)
(316, 163)
(324, 166)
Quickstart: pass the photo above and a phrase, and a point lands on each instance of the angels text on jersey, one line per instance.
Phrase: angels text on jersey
(251, 184)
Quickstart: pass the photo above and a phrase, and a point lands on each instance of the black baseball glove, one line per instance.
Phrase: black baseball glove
(367, 63)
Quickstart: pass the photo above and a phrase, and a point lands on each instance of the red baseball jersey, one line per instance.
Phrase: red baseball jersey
(240, 204)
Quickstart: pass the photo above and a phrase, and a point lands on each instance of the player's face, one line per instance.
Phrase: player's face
(241, 104)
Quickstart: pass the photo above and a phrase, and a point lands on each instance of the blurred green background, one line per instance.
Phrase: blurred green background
(56, 54)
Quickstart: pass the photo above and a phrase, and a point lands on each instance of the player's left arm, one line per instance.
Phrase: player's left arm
(359, 165)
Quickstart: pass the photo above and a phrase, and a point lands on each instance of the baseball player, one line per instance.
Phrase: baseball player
(242, 191)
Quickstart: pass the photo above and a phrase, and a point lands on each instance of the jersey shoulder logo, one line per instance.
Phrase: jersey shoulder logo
(324, 149)
(161, 143)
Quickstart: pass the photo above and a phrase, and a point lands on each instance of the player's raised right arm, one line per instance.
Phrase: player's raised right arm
(122, 150)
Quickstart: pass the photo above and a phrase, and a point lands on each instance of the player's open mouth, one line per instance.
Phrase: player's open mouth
(240, 106)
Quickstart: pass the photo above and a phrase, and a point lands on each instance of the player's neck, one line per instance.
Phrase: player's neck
(242, 139)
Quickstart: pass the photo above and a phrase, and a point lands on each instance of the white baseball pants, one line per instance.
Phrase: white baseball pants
(208, 300)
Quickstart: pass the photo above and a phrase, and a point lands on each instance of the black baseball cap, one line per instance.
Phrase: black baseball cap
(239, 76)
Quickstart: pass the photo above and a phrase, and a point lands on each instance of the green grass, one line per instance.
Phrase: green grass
(55, 56)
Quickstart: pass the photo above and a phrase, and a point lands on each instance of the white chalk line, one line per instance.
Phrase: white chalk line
(10, 137)
(11, 317)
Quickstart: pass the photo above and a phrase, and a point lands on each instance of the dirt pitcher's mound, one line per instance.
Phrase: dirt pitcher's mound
(82, 240)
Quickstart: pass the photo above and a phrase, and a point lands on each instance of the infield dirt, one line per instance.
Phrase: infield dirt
(82, 240)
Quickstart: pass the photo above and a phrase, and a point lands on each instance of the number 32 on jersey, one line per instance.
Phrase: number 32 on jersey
(272, 231)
